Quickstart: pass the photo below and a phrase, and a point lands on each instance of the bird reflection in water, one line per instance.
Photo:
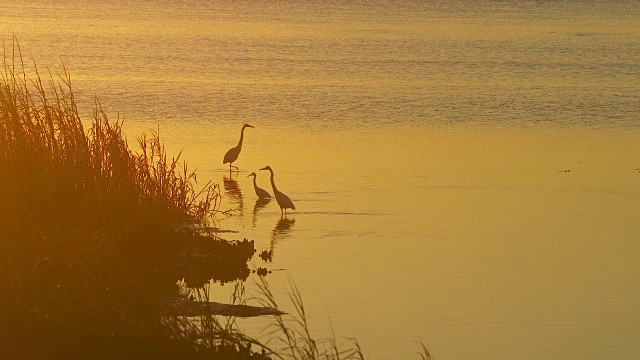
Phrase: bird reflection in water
(233, 192)
(260, 204)
(281, 231)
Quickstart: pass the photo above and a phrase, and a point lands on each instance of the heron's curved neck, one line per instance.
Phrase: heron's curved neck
(255, 186)
(273, 183)
(241, 137)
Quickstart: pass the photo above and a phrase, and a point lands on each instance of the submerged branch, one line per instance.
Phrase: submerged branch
(179, 307)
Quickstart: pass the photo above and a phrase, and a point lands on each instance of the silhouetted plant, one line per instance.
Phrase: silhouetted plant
(50, 163)
(290, 334)
(87, 228)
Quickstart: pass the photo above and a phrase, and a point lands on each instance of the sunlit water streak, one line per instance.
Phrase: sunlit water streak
(423, 145)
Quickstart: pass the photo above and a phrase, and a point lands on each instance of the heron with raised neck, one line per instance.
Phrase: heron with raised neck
(283, 200)
(232, 154)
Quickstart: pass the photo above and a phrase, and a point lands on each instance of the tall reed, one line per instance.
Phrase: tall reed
(290, 334)
(50, 163)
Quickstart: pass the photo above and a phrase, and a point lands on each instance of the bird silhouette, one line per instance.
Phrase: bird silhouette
(232, 154)
(283, 200)
(262, 193)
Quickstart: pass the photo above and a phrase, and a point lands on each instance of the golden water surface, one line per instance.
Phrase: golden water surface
(465, 173)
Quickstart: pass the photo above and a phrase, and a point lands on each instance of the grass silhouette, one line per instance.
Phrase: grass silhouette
(88, 229)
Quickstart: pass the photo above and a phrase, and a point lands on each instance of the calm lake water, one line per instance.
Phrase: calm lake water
(465, 172)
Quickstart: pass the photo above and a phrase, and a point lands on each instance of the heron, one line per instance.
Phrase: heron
(232, 154)
(283, 200)
(262, 193)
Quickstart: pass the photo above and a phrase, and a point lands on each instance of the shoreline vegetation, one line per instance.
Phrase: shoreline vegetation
(96, 259)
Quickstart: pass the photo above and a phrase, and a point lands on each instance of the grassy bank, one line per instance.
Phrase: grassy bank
(87, 229)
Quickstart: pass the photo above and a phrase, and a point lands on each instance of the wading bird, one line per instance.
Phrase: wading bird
(283, 200)
(232, 154)
(262, 193)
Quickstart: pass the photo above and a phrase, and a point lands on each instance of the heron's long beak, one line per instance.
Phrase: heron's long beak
(264, 168)
(251, 126)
